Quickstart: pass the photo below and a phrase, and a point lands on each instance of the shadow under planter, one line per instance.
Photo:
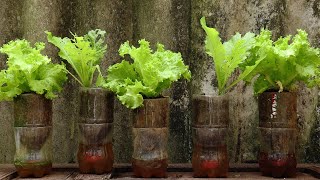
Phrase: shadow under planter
(277, 124)
(209, 135)
(95, 154)
(150, 138)
(33, 127)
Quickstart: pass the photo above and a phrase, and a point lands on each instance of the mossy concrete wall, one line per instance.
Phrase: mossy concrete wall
(175, 23)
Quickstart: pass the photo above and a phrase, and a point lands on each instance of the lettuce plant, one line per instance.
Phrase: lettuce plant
(147, 76)
(227, 56)
(83, 53)
(29, 71)
(280, 64)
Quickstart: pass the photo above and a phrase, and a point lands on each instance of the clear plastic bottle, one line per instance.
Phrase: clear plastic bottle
(32, 130)
(277, 125)
(209, 134)
(150, 137)
(95, 154)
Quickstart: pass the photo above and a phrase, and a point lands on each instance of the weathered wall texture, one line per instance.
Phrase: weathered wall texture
(175, 23)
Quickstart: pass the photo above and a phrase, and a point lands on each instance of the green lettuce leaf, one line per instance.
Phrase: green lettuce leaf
(228, 55)
(48, 79)
(9, 85)
(283, 63)
(83, 53)
(29, 71)
(148, 75)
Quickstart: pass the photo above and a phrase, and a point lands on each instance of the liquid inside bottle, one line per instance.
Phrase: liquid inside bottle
(210, 161)
(150, 168)
(277, 164)
(33, 165)
(32, 169)
(96, 159)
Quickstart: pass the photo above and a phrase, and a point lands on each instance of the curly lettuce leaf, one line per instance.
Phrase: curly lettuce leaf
(48, 79)
(283, 63)
(9, 85)
(228, 55)
(29, 71)
(83, 53)
(148, 75)
(22, 56)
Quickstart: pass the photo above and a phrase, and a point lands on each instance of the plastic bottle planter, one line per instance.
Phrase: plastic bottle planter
(150, 136)
(32, 128)
(278, 122)
(95, 154)
(210, 121)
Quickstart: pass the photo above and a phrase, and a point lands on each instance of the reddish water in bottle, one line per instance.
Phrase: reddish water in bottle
(35, 170)
(210, 161)
(96, 159)
(278, 165)
(151, 168)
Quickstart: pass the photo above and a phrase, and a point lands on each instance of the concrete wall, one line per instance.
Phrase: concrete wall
(175, 23)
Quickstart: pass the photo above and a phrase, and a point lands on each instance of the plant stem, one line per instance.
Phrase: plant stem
(280, 86)
(75, 78)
